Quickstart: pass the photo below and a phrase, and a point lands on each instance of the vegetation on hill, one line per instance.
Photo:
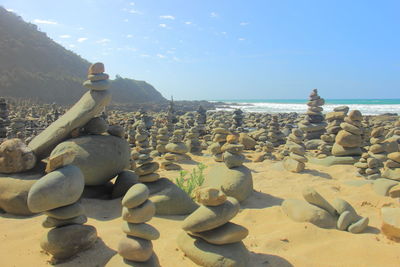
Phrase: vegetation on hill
(34, 66)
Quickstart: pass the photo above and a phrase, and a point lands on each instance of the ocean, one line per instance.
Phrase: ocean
(366, 106)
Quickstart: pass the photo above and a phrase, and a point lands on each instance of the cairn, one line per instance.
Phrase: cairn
(295, 159)
(219, 138)
(238, 118)
(378, 147)
(275, 136)
(176, 151)
(4, 122)
(201, 120)
(313, 124)
(368, 166)
(348, 140)
(65, 215)
(136, 248)
(209, 238)
(162, 140)
(145, 167)
(391, 168)
(193, 141)
(153, 137)
(16, 128)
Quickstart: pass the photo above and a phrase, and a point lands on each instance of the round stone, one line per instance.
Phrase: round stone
(135, 196)
(141, 230)
(50, 222)
(96, 126)
(66, 212)
(225, 234)
(140, 214)
(135, 249)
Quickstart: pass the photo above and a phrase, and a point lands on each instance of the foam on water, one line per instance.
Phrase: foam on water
(273, 107)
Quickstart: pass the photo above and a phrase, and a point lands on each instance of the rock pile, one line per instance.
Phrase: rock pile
(162, 140)
(209, 238)
(176, 151)
(145, 167)
(391, 168)
(193, 141)
(295, 161)
(238, 118)
(57, 195)
(4, 122)
(313, 124)
(219, 139)
(348, 140)
(232, 152)
(136, 248)
(368, 166)
(378, 148)
(201, 120)
(275, 136)
(318, 211)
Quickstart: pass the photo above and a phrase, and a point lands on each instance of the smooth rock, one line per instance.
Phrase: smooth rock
(59, 188)
(346, 219)
(147, 168)
(233, 160)
(140, 214)
(97, 85)
(338, 150)
(65, 242)
(100, 157)
(179, 148)
(395, 156)
(225, 234)
(394, 192)
(141, 230)
(209, 255)
(391, 173)
(342, 205)
(314, 198)
(96, 125)
(248, 142)
(50, 222)
(347, 139)
(117, 261)
(209, 196)
(382, 186)
(135, 196)
(116, 130)
(302, 211)
(207, 217)
(91, 104)
(391, 222)
(293, 165)
(135, 249)
(359, 226)
(66, 212)
(152, 177)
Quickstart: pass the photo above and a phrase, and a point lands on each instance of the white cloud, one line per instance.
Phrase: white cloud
(10, 9)
(167, 17)
(103, 41)
(41, 21)
(82, 39)
(129, 36)
(72, 46)
(161, 56)
(65, 36)
(162, 25)
(188, 22)
(213, 15)
(241, 39)
(131, 3)
(244, 23)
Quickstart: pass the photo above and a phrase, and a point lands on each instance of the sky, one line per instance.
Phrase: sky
(233, 49)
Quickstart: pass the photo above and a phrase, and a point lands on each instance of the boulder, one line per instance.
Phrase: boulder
(236, 182)
(293, 165)
(100, 157)
(56, 189)
(91, 104)
(16, 157)
(179, 148)
(135, 249)
(313, 197)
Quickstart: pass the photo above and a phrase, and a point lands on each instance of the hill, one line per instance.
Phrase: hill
(34, 66)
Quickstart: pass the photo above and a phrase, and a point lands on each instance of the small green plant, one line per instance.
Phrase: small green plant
(195, 179)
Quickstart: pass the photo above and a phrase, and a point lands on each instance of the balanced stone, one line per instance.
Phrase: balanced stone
(142, 230)
(225, 234)
(135, 196)
(51, 222)
(66, 212)
(135, 249)
(139, 214)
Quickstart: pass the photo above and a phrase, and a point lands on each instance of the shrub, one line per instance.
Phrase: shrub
(195, 179)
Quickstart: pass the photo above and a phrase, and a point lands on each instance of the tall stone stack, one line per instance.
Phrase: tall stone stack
(153, 137)
(313, 125)
(162, 140)
(3, 118)
(145, 166)
(275, 136)
(295, 161)
(209, 238)
(348, 140)
(232, 152)
(136, 248)
(238, 118)
(17, 128)
(219, 139)
(193, 140)
(201, 120)
(57, 194)
(391, 168)
(377, 149)
(176, 151)
(368, 167)
(334, 120)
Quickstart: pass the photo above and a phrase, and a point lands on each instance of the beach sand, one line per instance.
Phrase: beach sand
(274, 239)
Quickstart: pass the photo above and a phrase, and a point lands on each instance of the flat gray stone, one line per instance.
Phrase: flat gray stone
(135, 196)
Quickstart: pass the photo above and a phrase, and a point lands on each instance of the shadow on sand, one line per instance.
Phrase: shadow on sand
(259, 200)
(264, 260)
(316, 173)
(102, 210)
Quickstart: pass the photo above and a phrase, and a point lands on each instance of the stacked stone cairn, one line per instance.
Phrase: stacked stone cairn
(348, 140)
(162, 140)
(201, 120)
(391, 168)
(193, 140)
(153, 137)
(17, 128)
(275, 136)
(317, 210)
(65, 215)
(176, 151)
(219, 139)
(136, 248)
(145, 167)
(313, 124)
(334, 119)
(209, 238)
(3, 118)
(232, 152)
(238, 118)
(379, 147)
(295, 160)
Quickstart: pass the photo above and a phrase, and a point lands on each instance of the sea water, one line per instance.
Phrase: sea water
(366, 106)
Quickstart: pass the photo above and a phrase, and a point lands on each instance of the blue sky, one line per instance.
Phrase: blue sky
(233, 49)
